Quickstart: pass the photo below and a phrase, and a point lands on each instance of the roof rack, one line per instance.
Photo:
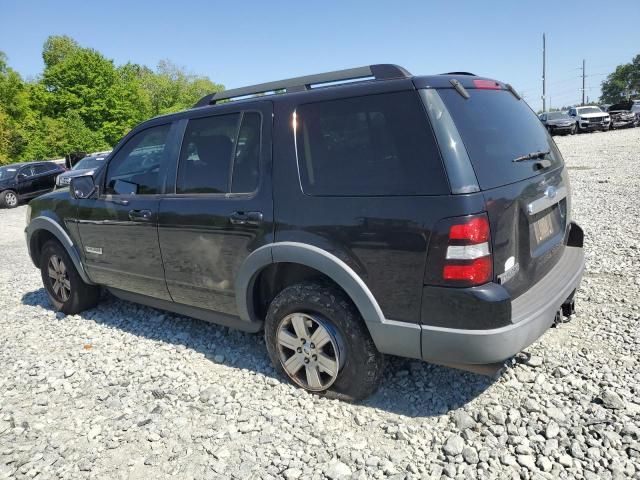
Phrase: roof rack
(300, 84)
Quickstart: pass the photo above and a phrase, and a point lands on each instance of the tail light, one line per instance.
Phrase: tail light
(460, 252)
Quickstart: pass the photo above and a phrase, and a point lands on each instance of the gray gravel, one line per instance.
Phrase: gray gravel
(124, 391)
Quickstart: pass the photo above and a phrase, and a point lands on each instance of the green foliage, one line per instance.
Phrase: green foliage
(623, 83)
(83, 102)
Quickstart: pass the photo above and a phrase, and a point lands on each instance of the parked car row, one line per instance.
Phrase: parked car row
(591, 117)
(23, 181)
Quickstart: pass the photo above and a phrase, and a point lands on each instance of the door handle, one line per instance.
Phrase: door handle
(246, 218)
(140, 215)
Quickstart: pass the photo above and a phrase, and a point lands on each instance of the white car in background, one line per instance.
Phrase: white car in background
(590, 118)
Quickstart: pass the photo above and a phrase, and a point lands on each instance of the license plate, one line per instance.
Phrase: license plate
(543, 228)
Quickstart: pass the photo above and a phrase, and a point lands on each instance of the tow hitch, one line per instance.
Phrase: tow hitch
(564, 314)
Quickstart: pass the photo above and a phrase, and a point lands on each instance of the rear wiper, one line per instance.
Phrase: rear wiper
(531, 156)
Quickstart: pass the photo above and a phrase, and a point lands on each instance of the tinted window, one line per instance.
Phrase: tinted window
(27, 171)
(247, 157)
(205, 157)
(496, 128)
(6, 173)
(557, 116)
(371, 145)
(40, 169)
(135, 169)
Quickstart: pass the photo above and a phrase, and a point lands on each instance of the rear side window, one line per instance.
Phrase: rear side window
(247, 157)
(205, 157)
(368, 146)
(496, 128)
(220, 154)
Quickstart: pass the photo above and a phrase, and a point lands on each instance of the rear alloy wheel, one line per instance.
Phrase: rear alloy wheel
(67, 291)
(309, 351)
(316, 337)
(10, 199)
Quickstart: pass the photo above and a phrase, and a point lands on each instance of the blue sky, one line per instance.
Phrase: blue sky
(241, 43)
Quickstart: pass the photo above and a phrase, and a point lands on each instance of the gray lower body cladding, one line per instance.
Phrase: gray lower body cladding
(532, 313)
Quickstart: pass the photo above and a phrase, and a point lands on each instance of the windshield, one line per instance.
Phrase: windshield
(7, 173)
(556, 115)
(496, 128)
(582, 111)
(88, 162)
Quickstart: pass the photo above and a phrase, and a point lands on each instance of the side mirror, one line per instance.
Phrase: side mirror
(82, 187)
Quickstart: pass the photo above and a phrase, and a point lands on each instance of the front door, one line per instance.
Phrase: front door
(26, 185)
(119, 228)
(222, 206)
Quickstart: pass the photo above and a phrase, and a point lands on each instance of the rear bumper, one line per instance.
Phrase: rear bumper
(532, 313)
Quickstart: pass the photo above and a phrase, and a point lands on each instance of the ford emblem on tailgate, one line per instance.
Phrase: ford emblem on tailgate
(550, 192)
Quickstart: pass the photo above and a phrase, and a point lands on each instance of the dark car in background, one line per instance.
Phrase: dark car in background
(87, 166)
(622, 116)
(23, 181)
(558, 123)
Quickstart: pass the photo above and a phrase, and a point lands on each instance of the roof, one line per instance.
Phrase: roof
(24, 164)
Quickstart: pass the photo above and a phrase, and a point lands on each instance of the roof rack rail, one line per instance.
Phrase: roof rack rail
(460, 73)
(300, 84)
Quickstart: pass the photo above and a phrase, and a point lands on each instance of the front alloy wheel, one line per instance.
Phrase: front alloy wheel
(309, 351)
(59, 278)
(10, 199)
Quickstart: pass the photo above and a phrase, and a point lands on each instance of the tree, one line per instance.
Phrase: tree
(83, 102)
(623, 83)
(56, 48)
(171, 89)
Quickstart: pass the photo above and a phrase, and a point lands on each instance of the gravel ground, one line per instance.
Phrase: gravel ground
(124, 391)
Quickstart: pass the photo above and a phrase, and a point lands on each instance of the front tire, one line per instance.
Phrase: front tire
(9, 199)
(317, 339)
(573, 129)
(67, 291)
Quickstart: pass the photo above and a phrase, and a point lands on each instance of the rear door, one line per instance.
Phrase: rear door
(221, 208)
(528, 199)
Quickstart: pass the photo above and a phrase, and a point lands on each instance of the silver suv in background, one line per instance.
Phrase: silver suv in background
(589, 118)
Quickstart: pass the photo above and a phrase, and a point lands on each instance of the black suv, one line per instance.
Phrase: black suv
(420, 216)
(22, 181)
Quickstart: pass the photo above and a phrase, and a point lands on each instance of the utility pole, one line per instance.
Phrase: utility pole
(583, 86)
(544, 73)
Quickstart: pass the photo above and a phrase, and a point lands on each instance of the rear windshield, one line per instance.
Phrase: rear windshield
(496, 128)
(556, 115)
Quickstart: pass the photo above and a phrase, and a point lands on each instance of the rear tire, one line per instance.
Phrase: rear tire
(9, 199)
(68, 293)
(304, 313)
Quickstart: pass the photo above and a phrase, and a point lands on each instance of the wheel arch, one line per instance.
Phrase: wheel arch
(304, 255)
(41, 229)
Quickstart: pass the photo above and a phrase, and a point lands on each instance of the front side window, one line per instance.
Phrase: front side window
(368, 146)
(40, 169)
(135, 169)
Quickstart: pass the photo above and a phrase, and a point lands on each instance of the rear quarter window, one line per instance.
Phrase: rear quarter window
(372, 145)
